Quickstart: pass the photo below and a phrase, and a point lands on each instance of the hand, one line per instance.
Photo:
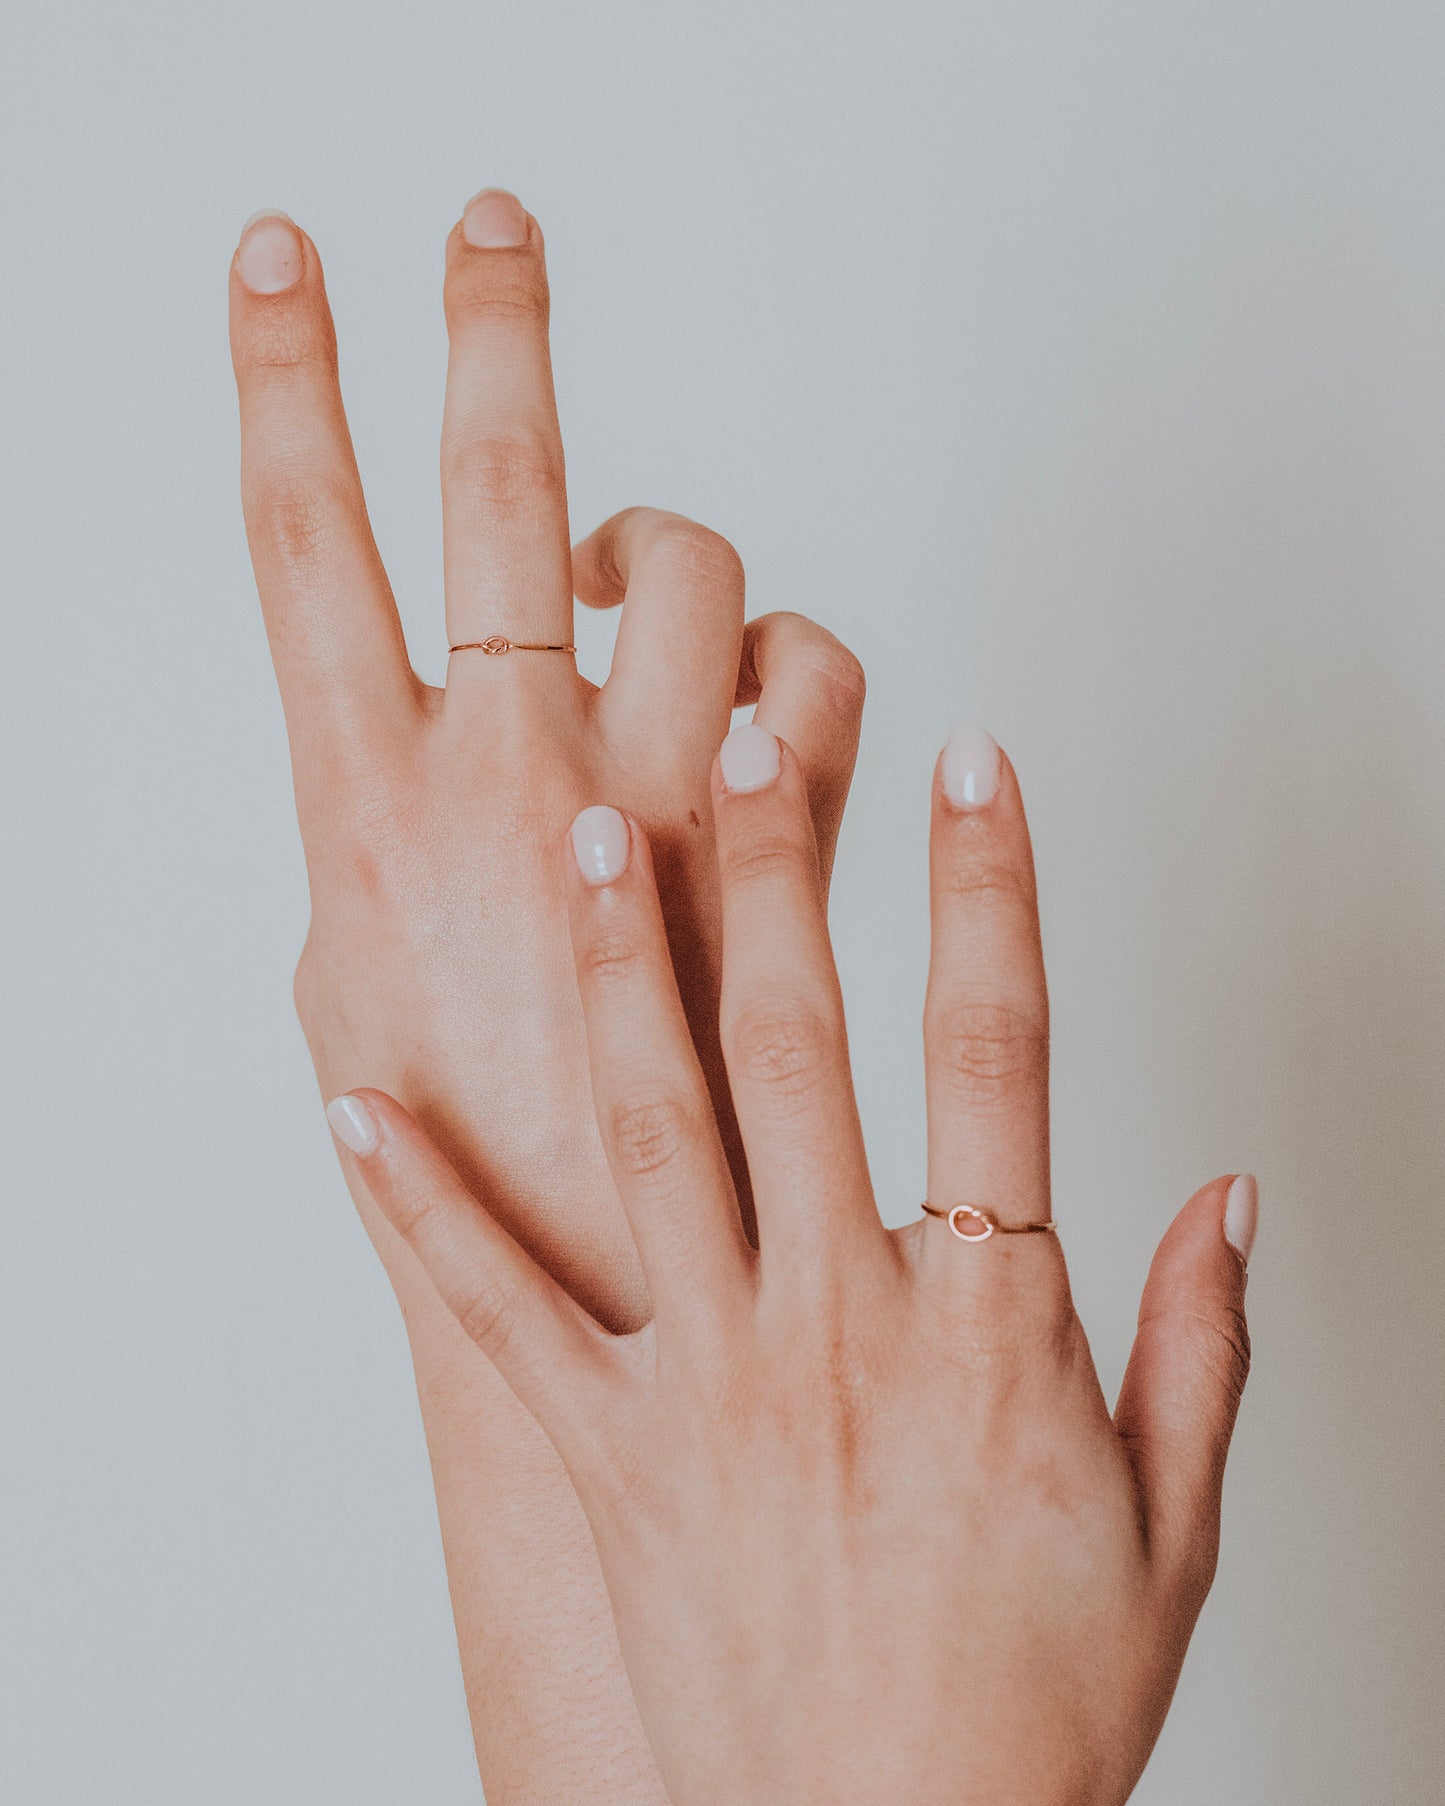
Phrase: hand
(868, 1529)
(438, 957)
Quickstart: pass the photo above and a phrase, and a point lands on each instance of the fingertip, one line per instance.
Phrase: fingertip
(749, 759)
(271, 255)
(1225, 1209)
(354, 1124)
(495, 220)
(601, 841)
(969, 769)
(1241, 1215)
(1197, 1247)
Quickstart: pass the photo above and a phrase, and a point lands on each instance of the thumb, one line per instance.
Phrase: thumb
(1186, 1374)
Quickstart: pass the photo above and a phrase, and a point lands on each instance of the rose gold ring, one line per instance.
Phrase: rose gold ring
(497, 644)
(970, 1224)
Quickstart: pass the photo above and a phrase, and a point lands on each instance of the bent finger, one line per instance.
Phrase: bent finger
(681, 587)
(809, 690)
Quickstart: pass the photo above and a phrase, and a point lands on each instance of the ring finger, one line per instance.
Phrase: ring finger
(986, 1017)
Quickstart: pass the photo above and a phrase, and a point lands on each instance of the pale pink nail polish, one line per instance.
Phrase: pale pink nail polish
(750, 758)
(494, 221)
(270, 260)
(970, 768)
(601, 842)
(1241, 1214)
(353, 1124)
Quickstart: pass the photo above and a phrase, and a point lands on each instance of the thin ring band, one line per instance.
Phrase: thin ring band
(497, 643)
(970, 1224)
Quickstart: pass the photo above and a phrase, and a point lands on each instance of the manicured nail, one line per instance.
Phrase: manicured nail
(601, 841)
(1241, 1214)
(353, 1124)
(970, 768)
(270, 258)
(750, 758)
(494, 220)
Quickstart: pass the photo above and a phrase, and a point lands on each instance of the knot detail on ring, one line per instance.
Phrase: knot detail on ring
(972, 1224)
(496, 643)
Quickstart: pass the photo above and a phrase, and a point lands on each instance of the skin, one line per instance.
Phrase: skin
(438, 961)
(869, 1530)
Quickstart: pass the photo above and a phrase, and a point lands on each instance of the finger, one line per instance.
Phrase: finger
(1187, 1371)
(676, 659)
(506, 555)
(783, 1032)
(652, 1101)
(335, 636)
(986, 1014)
(557, 1360)
(809, 689)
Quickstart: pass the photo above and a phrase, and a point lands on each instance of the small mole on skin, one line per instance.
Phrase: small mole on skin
(693, 818)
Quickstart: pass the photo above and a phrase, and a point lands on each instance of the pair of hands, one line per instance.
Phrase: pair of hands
(867, 1527)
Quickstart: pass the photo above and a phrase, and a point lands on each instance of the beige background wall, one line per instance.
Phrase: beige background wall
(1084, 367)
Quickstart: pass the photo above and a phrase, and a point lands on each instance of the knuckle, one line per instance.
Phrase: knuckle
(284, 340)
(613, 956)
(1220, 1341)
(503, 472)
(841, 681)
(1200, 1564)
(834, 673)
(414, 1208)
(978, 878)
(371, 823)
(697, 554)
(647, 1134)
(306, 989)
(988, 1050)
(764, 858)
(295, 519)
(488, 1315)
(514, 288)
(781, 1046)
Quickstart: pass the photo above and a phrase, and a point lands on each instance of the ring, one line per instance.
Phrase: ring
(497, 643)
(970, 1224)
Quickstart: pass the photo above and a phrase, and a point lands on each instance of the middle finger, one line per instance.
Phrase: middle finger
(783, 1033)
(506, 546)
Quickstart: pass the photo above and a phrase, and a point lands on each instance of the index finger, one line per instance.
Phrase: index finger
(335, 637)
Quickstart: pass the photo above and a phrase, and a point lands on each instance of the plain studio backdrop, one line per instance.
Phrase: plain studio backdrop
(1083, 367)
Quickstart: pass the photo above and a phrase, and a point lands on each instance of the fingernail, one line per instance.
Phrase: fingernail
(270, 258)
(353, 1124)
(601, 842)
(494, 220)
(750, 758)
(1241, 1214)
(970, 768)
